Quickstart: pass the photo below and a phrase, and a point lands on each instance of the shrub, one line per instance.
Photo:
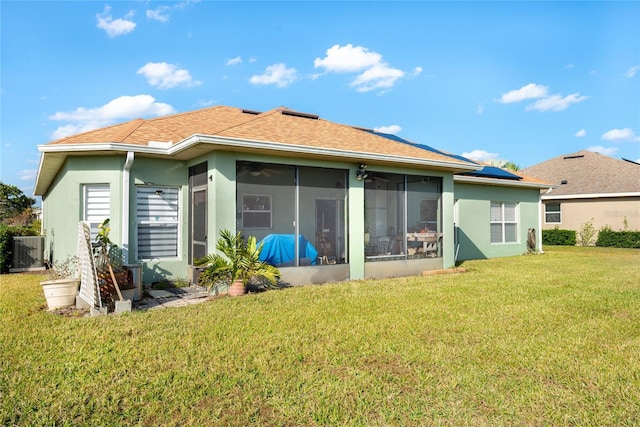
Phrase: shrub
(587, 234)
(618, 239)
(7, 232)
(558, 237)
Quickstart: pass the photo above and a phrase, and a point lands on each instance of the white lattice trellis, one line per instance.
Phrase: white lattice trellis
(89, 290)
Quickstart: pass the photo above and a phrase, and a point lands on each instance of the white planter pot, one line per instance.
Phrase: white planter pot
(60, 292)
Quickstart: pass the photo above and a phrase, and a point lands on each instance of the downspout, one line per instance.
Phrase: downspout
(540, 214)
(125, 205)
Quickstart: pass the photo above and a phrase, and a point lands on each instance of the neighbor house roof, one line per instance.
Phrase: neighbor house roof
(588, 174)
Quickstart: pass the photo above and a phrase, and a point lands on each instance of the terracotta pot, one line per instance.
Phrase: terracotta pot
(60, 292)
(237, 288)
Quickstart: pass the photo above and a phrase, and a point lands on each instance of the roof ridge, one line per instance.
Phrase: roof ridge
(142, 122)
(251, 119)
(75, 135)
(186, 113)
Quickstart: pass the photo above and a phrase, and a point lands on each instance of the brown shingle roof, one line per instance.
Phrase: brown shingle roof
(279, 125)
(586, 172)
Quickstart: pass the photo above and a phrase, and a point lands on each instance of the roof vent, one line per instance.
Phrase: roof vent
(564, 182)
(299, 114)
(579, 156)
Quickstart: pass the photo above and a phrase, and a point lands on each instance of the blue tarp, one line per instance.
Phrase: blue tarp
(279, 249)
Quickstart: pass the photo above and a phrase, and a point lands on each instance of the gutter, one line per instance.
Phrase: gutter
(589, 196)
(59, 152)
(499, 182)
(251, 144)
(126, 175)
(319, 151)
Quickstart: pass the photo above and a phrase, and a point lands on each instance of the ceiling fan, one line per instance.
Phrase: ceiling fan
(255, 169)
(375, 177)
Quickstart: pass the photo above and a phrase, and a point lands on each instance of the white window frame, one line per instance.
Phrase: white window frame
(94, 210)
(503, 222)
(167, 220)
(547, 213)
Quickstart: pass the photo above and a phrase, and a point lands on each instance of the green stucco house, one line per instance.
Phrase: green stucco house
(331, 202)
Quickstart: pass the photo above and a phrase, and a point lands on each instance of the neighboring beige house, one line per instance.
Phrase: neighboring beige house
(589, 187)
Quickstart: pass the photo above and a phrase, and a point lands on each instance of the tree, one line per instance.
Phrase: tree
(13, 202)
(511, 166)
(505, 164)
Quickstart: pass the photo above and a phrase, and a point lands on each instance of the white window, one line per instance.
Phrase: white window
(97, 205)
(504, 222)
(552, 213)
(157, 221)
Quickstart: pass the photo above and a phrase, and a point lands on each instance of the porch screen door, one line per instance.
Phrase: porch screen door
(198, 214)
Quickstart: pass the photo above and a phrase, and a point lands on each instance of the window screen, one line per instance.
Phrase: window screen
(157, 222)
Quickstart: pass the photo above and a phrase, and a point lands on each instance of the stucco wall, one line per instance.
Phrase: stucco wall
(172, 173)
(601, 212)
(63, 206)
(63, 203)
(473, 222)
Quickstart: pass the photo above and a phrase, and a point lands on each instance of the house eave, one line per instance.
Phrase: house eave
(54, 156)
(500, 182)
(590, 196)
(293, 149)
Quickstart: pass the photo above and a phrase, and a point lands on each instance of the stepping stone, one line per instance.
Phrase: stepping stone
(160, 293)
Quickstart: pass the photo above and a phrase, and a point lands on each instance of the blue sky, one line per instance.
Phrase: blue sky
(517, 81)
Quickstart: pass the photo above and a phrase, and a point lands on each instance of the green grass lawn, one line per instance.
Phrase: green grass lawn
(551, 339)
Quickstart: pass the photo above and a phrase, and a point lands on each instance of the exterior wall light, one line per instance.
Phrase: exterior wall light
(361, 173)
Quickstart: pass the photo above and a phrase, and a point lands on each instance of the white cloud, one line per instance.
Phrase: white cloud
(479, 109)
(161, 14)
(205, 102)
(347, 59)
(480, 155)
(393, 129)
(556, 102)
(607, 151)
(115, 27)
(166, 76)
(416, 72)
(276, 74)
(581, 133)
(621, 135)
(374, 72)
(122, 108)
(378, 77)
(183, 4)
(631, 72)
(27, 174)
(569, 66)
(234, 61)
(545, 102)
(252, 59)
(530, 91)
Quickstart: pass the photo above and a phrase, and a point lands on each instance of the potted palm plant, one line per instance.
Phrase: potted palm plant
(62, 287)
(236, 264)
